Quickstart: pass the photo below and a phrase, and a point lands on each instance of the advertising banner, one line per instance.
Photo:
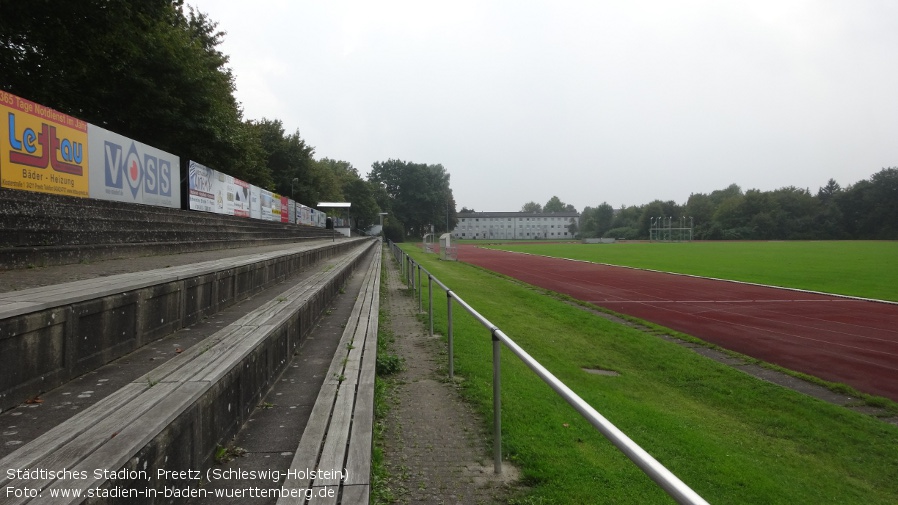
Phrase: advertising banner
(237, 199)
(202, 183)
(316, 218)
(306, 215)
(42, 149)
(292, 211)
(125, 170)
(267, 207)
(275, 207)
(285, 210)
(213, 191)
(255, 202)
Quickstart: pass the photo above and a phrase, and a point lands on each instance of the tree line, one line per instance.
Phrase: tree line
(152, 70)
(865, 210)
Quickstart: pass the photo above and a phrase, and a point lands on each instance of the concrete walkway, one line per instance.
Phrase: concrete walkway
(435, 448)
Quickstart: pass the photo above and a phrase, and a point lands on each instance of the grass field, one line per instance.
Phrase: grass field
(732, 438)
(857, 268)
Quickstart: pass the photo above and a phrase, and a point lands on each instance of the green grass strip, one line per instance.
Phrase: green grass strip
(868, 269)
(729, 436)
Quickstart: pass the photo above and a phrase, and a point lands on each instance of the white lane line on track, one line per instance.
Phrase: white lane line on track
(720, 301)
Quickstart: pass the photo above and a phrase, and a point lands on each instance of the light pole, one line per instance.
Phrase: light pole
(292, 194)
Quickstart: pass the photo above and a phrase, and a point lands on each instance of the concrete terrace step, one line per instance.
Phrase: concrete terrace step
(137, 234)
(64, 210)
(112, 222)
(42, 229)
(20, 258)
(174, 416)
(51, 334)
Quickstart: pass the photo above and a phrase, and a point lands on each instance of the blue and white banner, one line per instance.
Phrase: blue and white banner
(125, 170)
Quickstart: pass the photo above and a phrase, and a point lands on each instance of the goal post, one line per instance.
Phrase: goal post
(669, 229)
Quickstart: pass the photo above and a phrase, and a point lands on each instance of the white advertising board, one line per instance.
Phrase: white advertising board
(124, 170)
(202, 183)
(213, 191)
(269, 202)
(255, 202)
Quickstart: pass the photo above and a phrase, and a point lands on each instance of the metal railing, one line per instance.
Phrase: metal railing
(412, 272)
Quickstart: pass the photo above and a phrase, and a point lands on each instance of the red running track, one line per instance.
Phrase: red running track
(853, 342)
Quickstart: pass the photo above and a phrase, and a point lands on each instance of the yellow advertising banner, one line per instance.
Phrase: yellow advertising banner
(41, 149)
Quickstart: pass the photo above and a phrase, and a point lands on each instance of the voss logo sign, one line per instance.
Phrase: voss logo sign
(131, 171)
(148, 173)
(41, 149)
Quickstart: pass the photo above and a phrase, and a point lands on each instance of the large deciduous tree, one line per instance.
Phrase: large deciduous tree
(287, 157)
(554, 205)
(532, 208)
(420, 193)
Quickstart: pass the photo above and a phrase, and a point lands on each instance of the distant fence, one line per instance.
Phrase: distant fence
(413, 274)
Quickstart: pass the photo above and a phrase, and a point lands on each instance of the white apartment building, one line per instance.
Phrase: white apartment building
(515, 225)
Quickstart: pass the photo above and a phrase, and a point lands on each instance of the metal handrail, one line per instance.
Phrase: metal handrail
(669, 482)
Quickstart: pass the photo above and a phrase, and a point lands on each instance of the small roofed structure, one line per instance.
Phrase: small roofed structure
(341, 225)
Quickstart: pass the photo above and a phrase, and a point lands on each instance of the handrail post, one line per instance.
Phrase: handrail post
(449, 319)
(497, 403)
(420, 292)
(430, 300)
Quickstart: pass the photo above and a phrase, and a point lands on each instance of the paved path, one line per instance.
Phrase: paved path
(434, 446)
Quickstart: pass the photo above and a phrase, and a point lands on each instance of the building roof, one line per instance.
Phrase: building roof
(516, 214)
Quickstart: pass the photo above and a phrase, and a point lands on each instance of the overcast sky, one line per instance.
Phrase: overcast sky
(592, 101)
